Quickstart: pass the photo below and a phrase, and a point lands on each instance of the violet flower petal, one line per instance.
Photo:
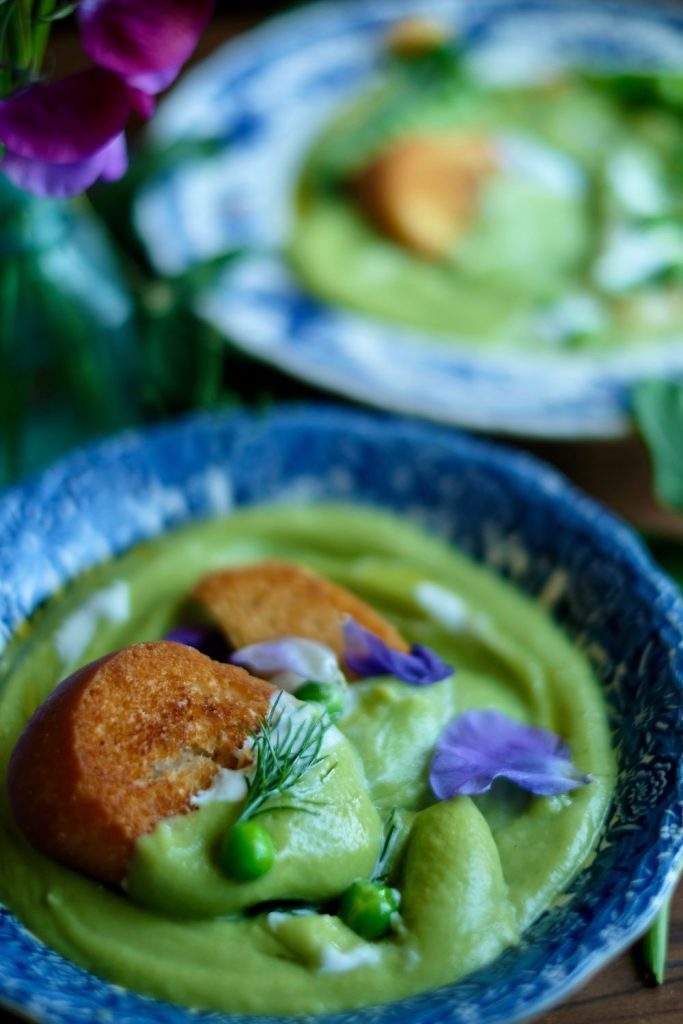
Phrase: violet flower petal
(481, 745)
(191, 636)
(114, 159)
(296, 656)
(59, 181)
(367, 655)
(153, 82)
(135, 38)
(207, 639)
(67, 121)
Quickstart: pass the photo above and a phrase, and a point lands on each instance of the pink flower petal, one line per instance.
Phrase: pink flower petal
(479, 746)
(67, 121)
(134, 38)
(60, 181)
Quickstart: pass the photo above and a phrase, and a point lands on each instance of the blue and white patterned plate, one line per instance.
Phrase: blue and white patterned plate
(265, 97)
(505, 509)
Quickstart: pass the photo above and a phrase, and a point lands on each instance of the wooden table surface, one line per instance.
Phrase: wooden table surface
(618, 474)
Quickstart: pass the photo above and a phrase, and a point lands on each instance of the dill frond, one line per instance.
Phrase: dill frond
(284, 754)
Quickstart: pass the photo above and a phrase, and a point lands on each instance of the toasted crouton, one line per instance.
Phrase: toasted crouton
(253, 603)
(124, 743)
(422, 191)
(411, 37)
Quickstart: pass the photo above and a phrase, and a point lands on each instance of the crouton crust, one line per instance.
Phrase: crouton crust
(422, 191)
(254, 603)
(411, 37)
(124, 743)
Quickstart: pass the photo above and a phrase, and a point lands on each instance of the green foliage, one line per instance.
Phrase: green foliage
(658, 410)
(669, 554)
(24, 28)
(655, 943)
(64, 377)
(58, 13)
(68, 366)
(641, 89)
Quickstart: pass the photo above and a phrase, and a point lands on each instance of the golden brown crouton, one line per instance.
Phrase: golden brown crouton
(422, 191)
(413, 36)
(253, 603)
(124, 743)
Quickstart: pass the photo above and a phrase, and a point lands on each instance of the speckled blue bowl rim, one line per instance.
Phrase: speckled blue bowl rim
(208, 464)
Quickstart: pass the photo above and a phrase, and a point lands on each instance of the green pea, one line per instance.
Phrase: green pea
(368, 907)
(247, 851)
(329, 695)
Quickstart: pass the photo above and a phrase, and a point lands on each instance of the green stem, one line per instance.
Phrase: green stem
(10, 396)
(20, 37)
(209, 371)
(6, 17)
(24, 31)
(41, 32)
(655, 943)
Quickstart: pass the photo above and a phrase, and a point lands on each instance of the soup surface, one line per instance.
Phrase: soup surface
(472, 872)
(572, 237)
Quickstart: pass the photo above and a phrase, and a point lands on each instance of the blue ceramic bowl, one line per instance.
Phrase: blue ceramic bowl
(503, 508)
(263, 98)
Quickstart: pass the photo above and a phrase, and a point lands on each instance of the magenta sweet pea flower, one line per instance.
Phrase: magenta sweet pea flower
(145, 43)
(367, 655)
(480, 746)
(60, 137)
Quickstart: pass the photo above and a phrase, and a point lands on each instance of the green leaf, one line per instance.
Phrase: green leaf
(61, 12)
(655, 943)
(658, 410)
(669, 554)
(640, 89)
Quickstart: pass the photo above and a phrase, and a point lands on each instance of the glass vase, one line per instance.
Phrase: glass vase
(67, 331)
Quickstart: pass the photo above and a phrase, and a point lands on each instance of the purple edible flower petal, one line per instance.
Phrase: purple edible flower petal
(299, 658)
(207, 639)
(113, 159)
(68, 121)
(367, 655)
(482, 745)
(60, 181)
(153, 82)
(191, 636)
(146, 43)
